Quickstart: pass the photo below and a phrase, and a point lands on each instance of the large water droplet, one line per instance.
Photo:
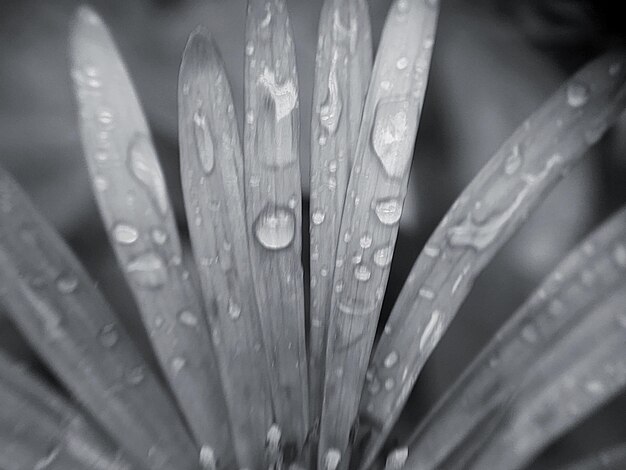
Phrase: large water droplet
(108, 335)
(383, 256)
(125, 234)
(204, 141)
(285, 95)
(390, 136)
(388, 211)
(577, 94)
(275, 228)
(145, 167)
(331, 109)
(362, 273)
(148, 270)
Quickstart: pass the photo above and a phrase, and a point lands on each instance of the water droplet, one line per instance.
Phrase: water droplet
(204, 141)
(275, 228)
(101, 183)
(431, 251)
(365, 241)
(66, 284)
(159, 236)
(402, 63)
(125, 234)
(250, 116)
(388, 211)
(432, 331)
(577, 94)
(249, 48)
(207, 458)
(331, 109)
(390, 137)
(148, 270)
(273, 438)
(234, 310)
(426, 293)
(362, 273)
(332, 459)
(144, 166)
(513, 162)
(391, 359)
(403, 6)
(293, 202)
(397, 458)
(389, 384)
(108, 335)
(284, 95)
(178, 363)
(188, 318)
(317, 217)
(383, 256)
(135, 375)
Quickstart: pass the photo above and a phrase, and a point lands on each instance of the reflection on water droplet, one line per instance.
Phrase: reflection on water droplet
(108, 335)
(144, 166)
(66, 284)
(188, 318)
(390, 136)
(383, 256)
(362, 273)
(317, 217)
(577, 94)
(391, 359)
(388, 211)
(204, 141)
(148, 270)
(125, 234)
(234, 310)
(275, 228)
(331, 109)
(284, 95)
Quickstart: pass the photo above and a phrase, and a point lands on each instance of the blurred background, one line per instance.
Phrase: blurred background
(494, 62)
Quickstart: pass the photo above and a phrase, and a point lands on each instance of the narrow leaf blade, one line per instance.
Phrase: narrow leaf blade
(373, 205)
(134, 205)
(484, 216)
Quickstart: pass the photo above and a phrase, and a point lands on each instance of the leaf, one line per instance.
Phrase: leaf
(369, 224)
(134, 205)
(589, 274)
(484, 216)
(212, 176)
(54, 303)
(344, 62)
(273, 208)
(39, 429)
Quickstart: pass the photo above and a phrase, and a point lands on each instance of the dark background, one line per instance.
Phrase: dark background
(494, 62)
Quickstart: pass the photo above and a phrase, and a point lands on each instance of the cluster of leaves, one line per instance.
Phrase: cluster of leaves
(250, 379)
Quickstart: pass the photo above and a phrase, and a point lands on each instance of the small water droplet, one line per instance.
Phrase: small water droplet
(388, 211)
(188, 318)
(365, 241)
(383, 256)
(125, 234)
(101, 183)
(249, 48)
(317, 217)
(148, 270)
(391, 359)
(178, 363)
(362, 273)
(403, 6)
(331, 108)
(431, 251)
(397, 459)
(135, 375)
(513, 162)
(159, 236)
(144, 166)
(402, 63)
(389, 384)
(207, 458)
(432, 331)
(332, 459)
(234, 310)
(293, 202)
(577, 94)
(66, 284)
(204, 141)
(108, 335)
(275, 228)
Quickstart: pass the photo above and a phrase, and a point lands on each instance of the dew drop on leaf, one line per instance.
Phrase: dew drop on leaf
(234, 310)
(383, 256)
(391, 359)
(204, 141)
(188, 318)
(390, 136)
(317, 217)
(577, 94)
(362, 273)
(388, 211)
(145, 168)
(125, 234)
(108, 335)
(66, 284)
(148, 270)
(331, 109)
(275, 228)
